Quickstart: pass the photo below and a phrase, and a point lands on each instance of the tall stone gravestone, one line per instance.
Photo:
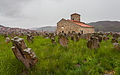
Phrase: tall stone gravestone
(24, 54)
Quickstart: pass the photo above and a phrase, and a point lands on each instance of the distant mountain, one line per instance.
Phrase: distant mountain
(106, 26)
(1, 26)
(47, 28)
(9, 30)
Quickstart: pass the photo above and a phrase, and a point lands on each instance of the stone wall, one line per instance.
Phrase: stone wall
(69, 26)
(87, 30)
(75, 17)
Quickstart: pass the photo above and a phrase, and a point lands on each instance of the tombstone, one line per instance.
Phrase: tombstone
(100, 38)
(93, 43)
(77, 37)
(63, 40)
(12, 35)
(5, 35)
(109, 73)
(79, 34)
(24, 54)
(53, 40)
(116, 46)
(114, 40)
(119, 39)
(107, 34)
(105, 38)
(83, 36)
(30, 38)
(116, 36)
(51, 35)
(101, 33)
(87, 36)
(7, 40)
(46, 35)
(72, 37)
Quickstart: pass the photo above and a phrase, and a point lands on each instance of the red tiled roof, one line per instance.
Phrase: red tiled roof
(80, 23)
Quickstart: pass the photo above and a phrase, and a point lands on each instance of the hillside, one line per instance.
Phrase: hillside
(106, 26)
(4, 29)
(1, 26)
(47, 28)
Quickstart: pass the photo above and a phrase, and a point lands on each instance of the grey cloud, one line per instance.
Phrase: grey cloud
(11, 8)
(37, 13)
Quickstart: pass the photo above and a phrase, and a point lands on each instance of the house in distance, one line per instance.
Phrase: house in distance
(74, 25)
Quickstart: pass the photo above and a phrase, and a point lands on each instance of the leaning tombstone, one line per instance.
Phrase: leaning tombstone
(24, 54)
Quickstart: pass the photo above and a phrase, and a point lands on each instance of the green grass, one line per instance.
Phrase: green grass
(57, 60)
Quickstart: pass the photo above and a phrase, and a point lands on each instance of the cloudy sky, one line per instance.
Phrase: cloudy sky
(39, 13)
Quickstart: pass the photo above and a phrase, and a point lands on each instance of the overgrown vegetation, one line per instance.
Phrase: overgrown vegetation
(77, 59)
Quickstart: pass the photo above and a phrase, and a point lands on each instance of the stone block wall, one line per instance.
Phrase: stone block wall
(75, 17)
(87, 30)
(69, 26)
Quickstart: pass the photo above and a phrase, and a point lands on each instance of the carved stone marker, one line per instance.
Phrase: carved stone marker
(53, 40)
(30, 38)
(24, 54)
(7, 40)
(93, 43)
(105, 38)
(114, 40)
(100, 38)
(116, 36)
(72, 37)
(116, 46)
(63, 40)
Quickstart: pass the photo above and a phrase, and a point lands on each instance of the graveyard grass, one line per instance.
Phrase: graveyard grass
(77, 59)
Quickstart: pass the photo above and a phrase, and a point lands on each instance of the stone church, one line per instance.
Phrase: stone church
(74, 25)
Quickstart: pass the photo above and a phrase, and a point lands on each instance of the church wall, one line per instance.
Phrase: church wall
(68, 26)
(87, 30)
